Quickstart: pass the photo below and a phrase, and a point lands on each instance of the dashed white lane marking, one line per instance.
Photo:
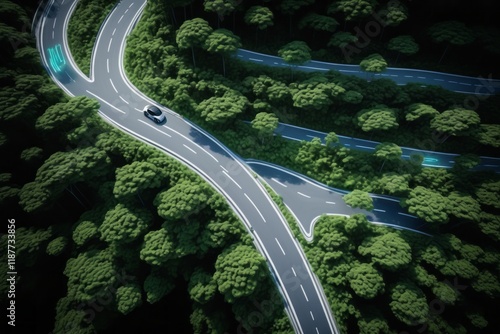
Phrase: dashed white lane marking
(54, 24)
(312, 316)
(453, 82)
(255, 59)
(255, 206)
(421, 77)
(304, 292)
(138, 109)
(280, 246)
(120, 19)
(465, 84)
(317, 330)
(330, 202)
(107, 64)
(109, 45)
(229, 176)
(348, 71)
(113, 32)
(438, 80)
(52, 34)
(405, 214)
(123, 99)
(294, 272)
(224, 169)
(130, 5)
(278, 182)
(408, 76)
(113, 85)
(371, 148)
(189, 148)
(155, 128)
(109, 104)
(301, 194)
(379, 210)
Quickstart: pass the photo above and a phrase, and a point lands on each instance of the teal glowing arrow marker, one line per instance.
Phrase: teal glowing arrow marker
(56, 58)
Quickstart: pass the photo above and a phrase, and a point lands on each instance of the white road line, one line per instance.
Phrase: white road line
(155, 128)
(114, 30)
(294, 272)
(109, 45)
(317, 330)
(408, 76)
(139, 110)
(465, 84)
(254, 59)
(54, 24)
(371, 148)
(113, 85)
(99, 98)
(315, 68)
(62, 2)
(490, 165)
(312, 316)
(347, 144)
(394, 75)
(301, 194)
(379, 210)
(421, 77)
(278, 182)
(70, 77)
(405, 214)
(224, 168)
(120, 19)
(453, 82)
(451, 161)
(240, 56)
(229, 176)
(201, 148)
(107, 64)
(130, 5)
(330, 202)
(52, 34)
(255, 206)
(280, 246)
(349, 71)
(438, 80)
(275, 63)
(307, 299)
(126, 11)
(189, 148)
(123, 99)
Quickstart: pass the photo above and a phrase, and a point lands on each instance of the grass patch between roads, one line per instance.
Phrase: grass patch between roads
(83, 27)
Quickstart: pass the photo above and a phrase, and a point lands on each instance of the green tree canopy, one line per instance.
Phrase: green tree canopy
(318, 22)
(405, 44)
(359, 199)
(488, 134)
(202, 286)
(456, 122)
(388, 250)
(223, 42)
(131, 179)
(128, 298)
(124, 224)
(378, 118)
(259, 16)
(265, 124)
(353, 9)
(365, 280)
(184, 198)
(193, 33)
(223, 108)
(428, 205)
(295, 53)
(90, 275)
(373, 63)
(239, 269)
(387, 152)
(417, 111)
(408, 303)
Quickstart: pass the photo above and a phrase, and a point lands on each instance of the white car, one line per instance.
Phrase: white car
(154, 114)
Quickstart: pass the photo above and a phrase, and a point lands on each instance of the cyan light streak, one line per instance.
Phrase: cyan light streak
(56, 58)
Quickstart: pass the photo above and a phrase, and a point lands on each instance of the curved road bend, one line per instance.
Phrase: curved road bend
(456, 83)
(299, 191)
(430, 158)
(121, 104)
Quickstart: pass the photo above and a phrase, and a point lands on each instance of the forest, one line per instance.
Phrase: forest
(95, 214)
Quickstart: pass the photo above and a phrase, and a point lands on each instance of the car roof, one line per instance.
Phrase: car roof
(155, 110)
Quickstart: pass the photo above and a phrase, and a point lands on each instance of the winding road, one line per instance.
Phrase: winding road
(456, 83)
(121, 105)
